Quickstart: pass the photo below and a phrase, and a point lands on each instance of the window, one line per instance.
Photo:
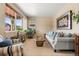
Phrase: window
(18, 24)
(13, 20)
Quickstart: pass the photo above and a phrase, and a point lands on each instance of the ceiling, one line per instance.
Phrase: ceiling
(40, 9)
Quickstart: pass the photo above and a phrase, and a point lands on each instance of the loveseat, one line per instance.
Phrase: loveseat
(60, 40)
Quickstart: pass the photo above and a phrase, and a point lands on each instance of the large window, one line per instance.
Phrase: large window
(13, 20)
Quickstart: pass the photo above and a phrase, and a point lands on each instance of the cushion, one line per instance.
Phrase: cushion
(6, 43)
(54, 35)
(1, 38)
(60, 34)
(67, 35)
(50, 33)
(73, 35)
(14, 50)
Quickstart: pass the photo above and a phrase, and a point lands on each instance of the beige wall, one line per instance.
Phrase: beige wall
(2, 14)
(67, 7)
(43, 24)
(24, 23)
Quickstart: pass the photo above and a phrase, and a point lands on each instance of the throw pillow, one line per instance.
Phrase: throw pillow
(5, 43)
(60, 34)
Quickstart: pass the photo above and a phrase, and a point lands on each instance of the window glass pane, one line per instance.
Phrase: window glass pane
(18, 23)
(7, 23)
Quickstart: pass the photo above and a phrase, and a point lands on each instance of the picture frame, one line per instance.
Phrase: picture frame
(64, 22)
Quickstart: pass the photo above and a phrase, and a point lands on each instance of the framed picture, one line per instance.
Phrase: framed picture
(64, 22)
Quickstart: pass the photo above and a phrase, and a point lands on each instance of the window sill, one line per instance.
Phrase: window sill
(10, 31)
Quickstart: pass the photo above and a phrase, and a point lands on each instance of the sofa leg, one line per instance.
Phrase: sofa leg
(54, 50)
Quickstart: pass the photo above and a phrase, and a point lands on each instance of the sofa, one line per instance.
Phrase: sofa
(15, 49)
(61, 41)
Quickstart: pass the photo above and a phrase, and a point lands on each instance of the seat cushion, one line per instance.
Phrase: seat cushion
(6, 43)
(54, 35)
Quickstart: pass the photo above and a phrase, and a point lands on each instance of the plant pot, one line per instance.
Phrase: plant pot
(39, 43)
(30, 37)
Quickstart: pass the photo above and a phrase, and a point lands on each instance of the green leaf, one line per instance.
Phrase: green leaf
(76, 17)
(73, 13)
(77, 20)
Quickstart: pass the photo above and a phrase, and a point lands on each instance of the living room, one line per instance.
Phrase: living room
(46, 19)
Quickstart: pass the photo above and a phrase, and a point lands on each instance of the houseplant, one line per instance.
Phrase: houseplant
(76, 17)
(29, 33)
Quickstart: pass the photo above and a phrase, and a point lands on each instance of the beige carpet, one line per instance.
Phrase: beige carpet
(30, 49)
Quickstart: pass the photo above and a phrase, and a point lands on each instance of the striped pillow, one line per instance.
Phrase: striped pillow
(14, 50)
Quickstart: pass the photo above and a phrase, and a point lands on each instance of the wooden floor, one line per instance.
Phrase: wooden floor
(30, 49)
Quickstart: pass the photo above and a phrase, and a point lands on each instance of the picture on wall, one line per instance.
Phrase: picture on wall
(65, 21)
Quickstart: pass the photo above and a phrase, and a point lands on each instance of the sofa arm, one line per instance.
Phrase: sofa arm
(14, 50)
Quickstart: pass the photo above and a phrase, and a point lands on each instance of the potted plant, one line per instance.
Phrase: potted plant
(76, 17)
(29, 33)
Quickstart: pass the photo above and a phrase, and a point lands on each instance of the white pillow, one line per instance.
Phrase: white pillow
(1, 38)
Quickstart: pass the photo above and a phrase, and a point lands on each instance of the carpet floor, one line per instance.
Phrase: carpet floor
(30, 49)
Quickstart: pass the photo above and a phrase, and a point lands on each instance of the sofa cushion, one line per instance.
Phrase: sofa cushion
(60, 34)
(5, 43)
(54, 35)
(67, 35)
(50, 33)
